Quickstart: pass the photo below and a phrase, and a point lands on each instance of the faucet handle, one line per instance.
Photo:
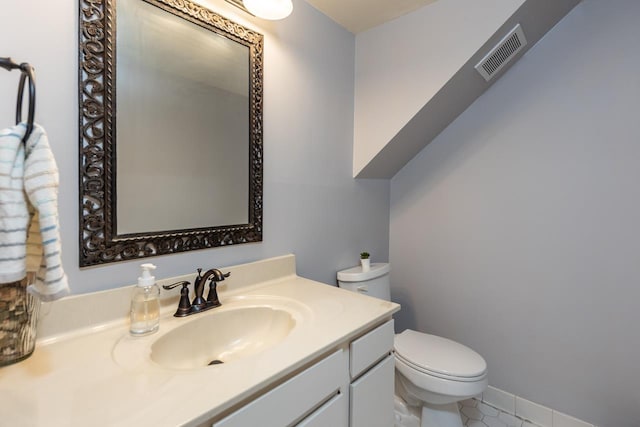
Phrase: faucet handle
(219, 276)
(182, 283)
(184, 306)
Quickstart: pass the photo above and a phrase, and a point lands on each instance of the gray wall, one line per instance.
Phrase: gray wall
(402, 64)
(516, 231)
(313, 207)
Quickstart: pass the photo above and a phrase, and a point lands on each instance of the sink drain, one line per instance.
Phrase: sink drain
(215, 362)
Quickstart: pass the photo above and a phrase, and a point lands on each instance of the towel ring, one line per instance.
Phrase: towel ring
(27, 72)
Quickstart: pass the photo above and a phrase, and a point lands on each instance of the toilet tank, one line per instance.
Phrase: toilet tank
(374, 282)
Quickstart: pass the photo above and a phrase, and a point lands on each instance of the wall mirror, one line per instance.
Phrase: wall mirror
(170, 130)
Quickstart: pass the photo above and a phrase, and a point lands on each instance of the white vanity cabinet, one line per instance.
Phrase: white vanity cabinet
(352, 387)
(331, 368)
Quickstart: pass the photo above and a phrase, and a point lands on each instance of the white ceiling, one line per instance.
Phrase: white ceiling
(360, 15)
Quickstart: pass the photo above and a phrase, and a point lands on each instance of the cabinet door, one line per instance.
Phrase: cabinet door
(372, 396)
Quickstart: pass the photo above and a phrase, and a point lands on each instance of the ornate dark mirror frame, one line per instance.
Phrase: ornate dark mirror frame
(99, 243)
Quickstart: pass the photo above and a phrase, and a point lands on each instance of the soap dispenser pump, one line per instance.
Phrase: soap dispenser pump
(145, 304)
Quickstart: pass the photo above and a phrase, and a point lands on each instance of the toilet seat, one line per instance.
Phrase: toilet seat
(421, 370)
(439, 357)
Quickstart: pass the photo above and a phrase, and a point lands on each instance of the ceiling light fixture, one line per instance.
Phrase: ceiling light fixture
(265, 9)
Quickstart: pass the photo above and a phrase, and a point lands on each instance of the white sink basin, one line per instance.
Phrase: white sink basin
(222, 337)
(243, 326)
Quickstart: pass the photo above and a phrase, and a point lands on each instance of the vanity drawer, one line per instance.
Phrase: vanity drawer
(370, 348)
(294, 399)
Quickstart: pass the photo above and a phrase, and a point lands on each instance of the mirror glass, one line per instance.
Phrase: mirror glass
(171, 130)
(182, 102)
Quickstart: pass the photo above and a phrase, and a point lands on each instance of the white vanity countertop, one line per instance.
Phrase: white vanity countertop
(75, 380)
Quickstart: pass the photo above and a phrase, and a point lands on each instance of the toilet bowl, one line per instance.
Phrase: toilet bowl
(432, 373)
(435, 373)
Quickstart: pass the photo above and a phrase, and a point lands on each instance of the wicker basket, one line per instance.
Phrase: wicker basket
(18, 320)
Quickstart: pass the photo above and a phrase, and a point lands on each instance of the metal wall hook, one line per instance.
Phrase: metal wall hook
(8, 64)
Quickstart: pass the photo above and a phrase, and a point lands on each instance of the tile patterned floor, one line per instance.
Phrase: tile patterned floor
(477, 414)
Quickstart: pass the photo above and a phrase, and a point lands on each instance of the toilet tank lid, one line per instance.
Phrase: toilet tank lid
(355, 274)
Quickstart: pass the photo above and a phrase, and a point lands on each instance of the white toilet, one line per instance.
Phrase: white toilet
(432, 373)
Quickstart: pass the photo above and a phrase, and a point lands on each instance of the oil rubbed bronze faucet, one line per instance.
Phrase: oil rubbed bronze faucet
(199, 304)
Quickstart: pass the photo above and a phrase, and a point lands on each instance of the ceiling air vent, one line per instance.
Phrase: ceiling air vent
(502, 53)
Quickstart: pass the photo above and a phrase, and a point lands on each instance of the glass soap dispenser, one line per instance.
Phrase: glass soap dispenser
(145, 304)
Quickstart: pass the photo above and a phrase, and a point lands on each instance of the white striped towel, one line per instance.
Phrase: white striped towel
(29, 190)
